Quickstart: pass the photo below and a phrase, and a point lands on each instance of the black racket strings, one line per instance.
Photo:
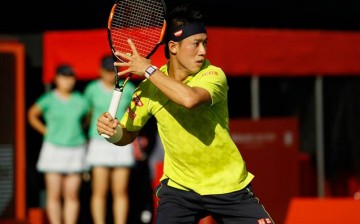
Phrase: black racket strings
(138, 20)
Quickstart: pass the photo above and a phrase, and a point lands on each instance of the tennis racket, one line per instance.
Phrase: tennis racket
(142, 21)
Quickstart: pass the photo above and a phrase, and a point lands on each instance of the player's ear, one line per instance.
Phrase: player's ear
(172, 47)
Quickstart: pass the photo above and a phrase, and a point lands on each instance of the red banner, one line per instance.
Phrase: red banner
(81, 49)
(239, 52)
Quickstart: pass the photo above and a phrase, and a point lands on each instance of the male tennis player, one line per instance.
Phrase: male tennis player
(204, 172)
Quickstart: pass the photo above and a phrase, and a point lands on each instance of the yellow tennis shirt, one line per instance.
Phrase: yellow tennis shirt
(199, 152)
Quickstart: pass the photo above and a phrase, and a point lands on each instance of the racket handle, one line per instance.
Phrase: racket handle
(114, 104)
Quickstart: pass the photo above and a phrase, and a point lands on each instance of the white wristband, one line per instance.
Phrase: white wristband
(150, 70)
(117, 136)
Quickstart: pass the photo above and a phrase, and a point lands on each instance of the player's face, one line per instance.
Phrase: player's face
(191, 52)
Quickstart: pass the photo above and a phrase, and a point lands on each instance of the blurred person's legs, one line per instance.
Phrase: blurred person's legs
(71, 185)
(119, 184)
(53, 183)
(100, 186)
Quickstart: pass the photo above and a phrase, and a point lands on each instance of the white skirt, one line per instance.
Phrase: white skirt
(102, 153)
(61, 159)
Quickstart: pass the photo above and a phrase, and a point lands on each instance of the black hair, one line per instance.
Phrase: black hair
(180, 15)
(65, 70)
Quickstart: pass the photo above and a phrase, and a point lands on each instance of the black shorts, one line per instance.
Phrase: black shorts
(179, 206)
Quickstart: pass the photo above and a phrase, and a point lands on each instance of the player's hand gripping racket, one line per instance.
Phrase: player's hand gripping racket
(142, 21)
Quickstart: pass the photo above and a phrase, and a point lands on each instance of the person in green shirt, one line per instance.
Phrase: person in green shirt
(110, 165)
(204, 172)
(58, 115)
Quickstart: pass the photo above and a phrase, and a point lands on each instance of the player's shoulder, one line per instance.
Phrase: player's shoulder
(146, 85)
(146, 89)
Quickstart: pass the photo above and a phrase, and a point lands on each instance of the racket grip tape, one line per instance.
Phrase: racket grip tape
(114, 104)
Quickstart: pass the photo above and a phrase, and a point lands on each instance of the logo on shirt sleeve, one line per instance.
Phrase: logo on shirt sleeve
(209, 73)
(131, 113)
(137, 101)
